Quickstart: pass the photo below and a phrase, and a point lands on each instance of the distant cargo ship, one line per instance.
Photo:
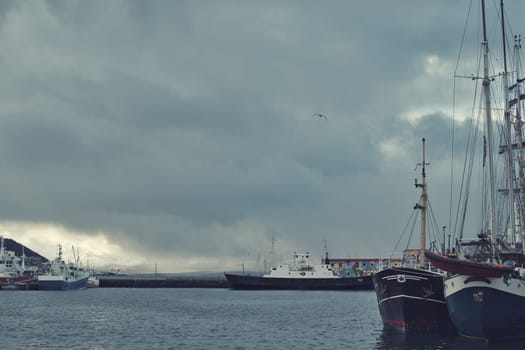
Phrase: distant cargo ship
(300, 275)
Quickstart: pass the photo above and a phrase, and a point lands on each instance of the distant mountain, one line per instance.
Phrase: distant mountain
(32, 257)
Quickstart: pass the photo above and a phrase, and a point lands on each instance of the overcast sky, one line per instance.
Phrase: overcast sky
(181, 132)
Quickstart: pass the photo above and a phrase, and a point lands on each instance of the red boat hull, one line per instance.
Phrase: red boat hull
(18, 279)
(467, 267)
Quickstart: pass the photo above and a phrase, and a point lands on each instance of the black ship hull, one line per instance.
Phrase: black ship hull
(259, 282)
(411, 300)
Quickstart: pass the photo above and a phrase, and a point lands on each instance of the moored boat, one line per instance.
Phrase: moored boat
(487, 308)
(410, 298)
(485, 300)
(63, 276)
(300, 275)
(485, 293)
(93, 282)
(12, 268)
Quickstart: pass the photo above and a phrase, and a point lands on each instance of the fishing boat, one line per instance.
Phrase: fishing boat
(62, 275)
(485, 292)
(300, 274)
(410, 298)
(12, 268)
(93, 282)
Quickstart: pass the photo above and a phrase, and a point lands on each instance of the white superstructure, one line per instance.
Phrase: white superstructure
(301, 268)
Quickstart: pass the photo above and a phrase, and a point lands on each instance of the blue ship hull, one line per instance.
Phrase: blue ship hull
(62, 285)
(487, 308)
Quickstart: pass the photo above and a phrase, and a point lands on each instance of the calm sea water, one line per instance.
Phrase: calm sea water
(108, 318)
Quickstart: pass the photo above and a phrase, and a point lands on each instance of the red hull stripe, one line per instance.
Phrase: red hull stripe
(405, 323)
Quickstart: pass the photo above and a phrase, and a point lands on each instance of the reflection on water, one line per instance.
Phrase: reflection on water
(391, 340)
(442, 341)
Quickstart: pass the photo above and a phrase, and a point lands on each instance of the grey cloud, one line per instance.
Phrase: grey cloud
(169, 124)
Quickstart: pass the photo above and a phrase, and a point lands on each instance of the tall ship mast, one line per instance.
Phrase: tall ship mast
(484, 291)
(423, 207)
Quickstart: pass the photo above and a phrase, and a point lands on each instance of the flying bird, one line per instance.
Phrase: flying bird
(319, 115)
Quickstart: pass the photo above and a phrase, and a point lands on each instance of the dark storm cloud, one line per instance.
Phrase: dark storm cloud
(186, 127)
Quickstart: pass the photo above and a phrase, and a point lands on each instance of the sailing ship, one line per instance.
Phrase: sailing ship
(485, 293)
(300, 275)
(13, 271)
(62, 275)
(411, 299)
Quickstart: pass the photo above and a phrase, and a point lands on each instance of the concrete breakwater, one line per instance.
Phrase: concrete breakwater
(179, 282)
